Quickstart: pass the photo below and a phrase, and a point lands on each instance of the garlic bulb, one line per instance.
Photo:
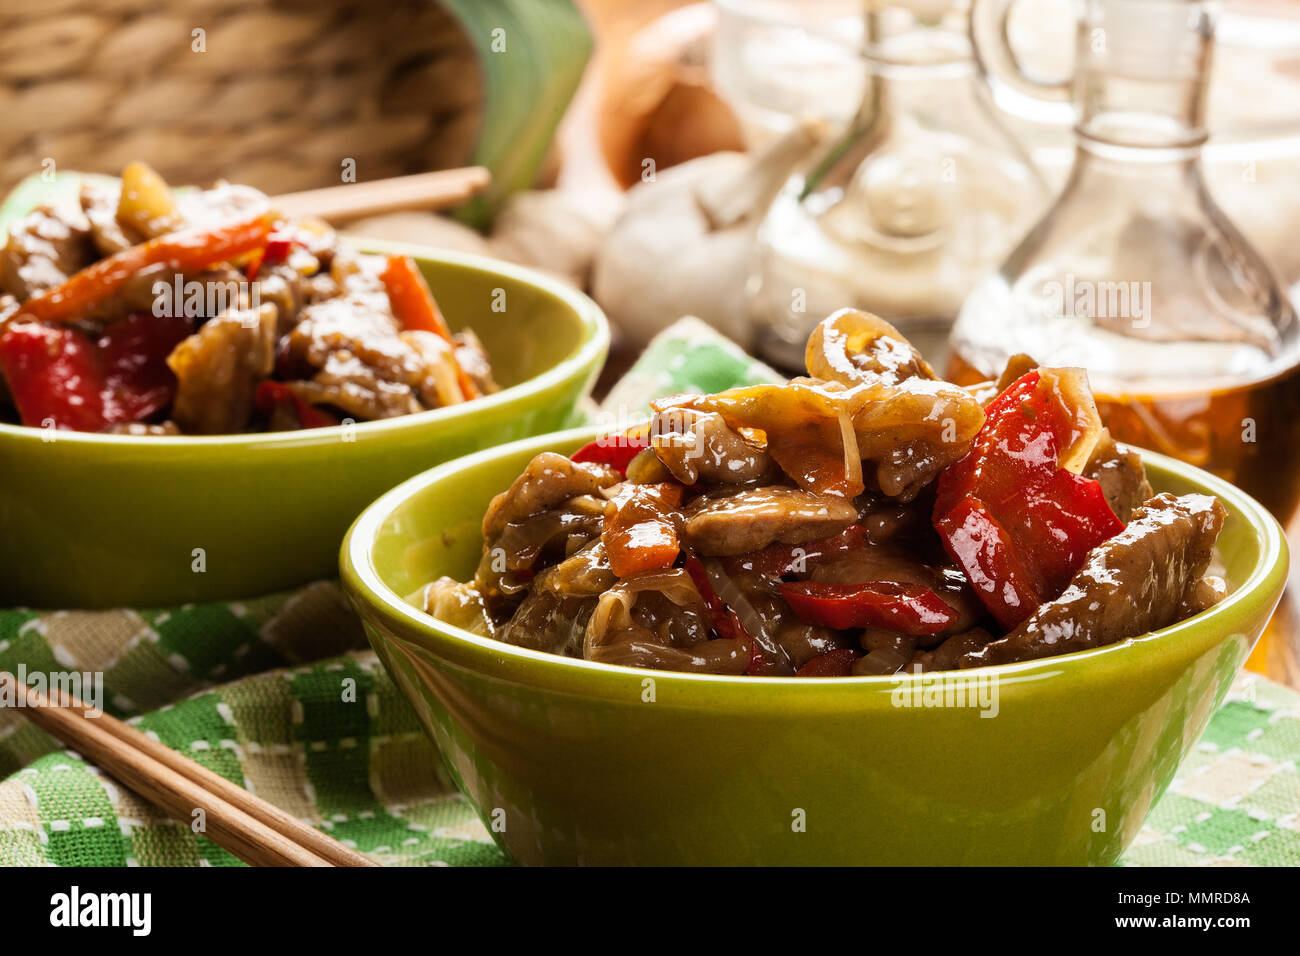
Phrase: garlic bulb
(552, 230)
(555, 230)
(684, 245)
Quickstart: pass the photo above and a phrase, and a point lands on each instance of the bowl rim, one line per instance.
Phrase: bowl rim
(593, 344)
(488, 656)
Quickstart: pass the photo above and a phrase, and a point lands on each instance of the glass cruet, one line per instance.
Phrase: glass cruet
(918, 198)
(1135, 273)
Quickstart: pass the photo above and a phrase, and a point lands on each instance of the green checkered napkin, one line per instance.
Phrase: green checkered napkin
(279, 695)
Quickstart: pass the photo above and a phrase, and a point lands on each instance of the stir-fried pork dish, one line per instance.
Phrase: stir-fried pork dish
(147, 311)
(866, 519)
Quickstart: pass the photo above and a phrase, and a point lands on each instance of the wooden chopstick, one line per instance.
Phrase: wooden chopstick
(257, 832)
(340, 204)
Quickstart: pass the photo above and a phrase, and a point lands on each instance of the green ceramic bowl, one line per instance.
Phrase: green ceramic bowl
(567, 761)
(105, 520)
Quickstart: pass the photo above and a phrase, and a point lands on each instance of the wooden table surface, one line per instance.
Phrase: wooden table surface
(1277, 655)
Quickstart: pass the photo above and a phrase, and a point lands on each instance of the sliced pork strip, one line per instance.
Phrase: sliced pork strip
(351, 324)
(549, 480)
(700, 446)
(753, 518)
(224, 202)
(43, 249)
(473, 359)
(1148, 576)
(1119, 471)
(353, 387)
(219, 367)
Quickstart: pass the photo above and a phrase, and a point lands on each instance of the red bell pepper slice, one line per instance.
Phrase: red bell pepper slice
(133, 357)
(837, 663)
(1017, 523)
(415, 308)
(277, 248)
(1019, 444)
(53, 377)
(906, 608)
(190, 250)
(993, 565)
(269, 394)
(639, 534)
(60, 376)
(726, 622)
(1062, 518)
(617, 451)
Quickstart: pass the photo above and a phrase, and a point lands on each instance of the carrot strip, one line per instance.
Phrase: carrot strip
(638, 532)
(185, 251)
(416, 309)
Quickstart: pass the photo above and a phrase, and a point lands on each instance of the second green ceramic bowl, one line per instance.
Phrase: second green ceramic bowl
(1052, 762)
(113, 520)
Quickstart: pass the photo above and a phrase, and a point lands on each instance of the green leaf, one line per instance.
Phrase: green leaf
(533, 53)
(38, 189)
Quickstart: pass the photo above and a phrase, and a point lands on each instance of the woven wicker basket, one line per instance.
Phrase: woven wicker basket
(279, 94)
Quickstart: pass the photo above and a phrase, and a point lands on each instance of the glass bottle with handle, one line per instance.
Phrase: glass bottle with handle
(1135, 273)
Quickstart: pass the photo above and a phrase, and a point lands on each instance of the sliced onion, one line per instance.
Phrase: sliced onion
(458, 604)
(1075, 394)
(524, 540)
(755, 625)
(673, 583)
(576, 642)
(613, 611)
(852, 458)
(883, 660)
(718, 656)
